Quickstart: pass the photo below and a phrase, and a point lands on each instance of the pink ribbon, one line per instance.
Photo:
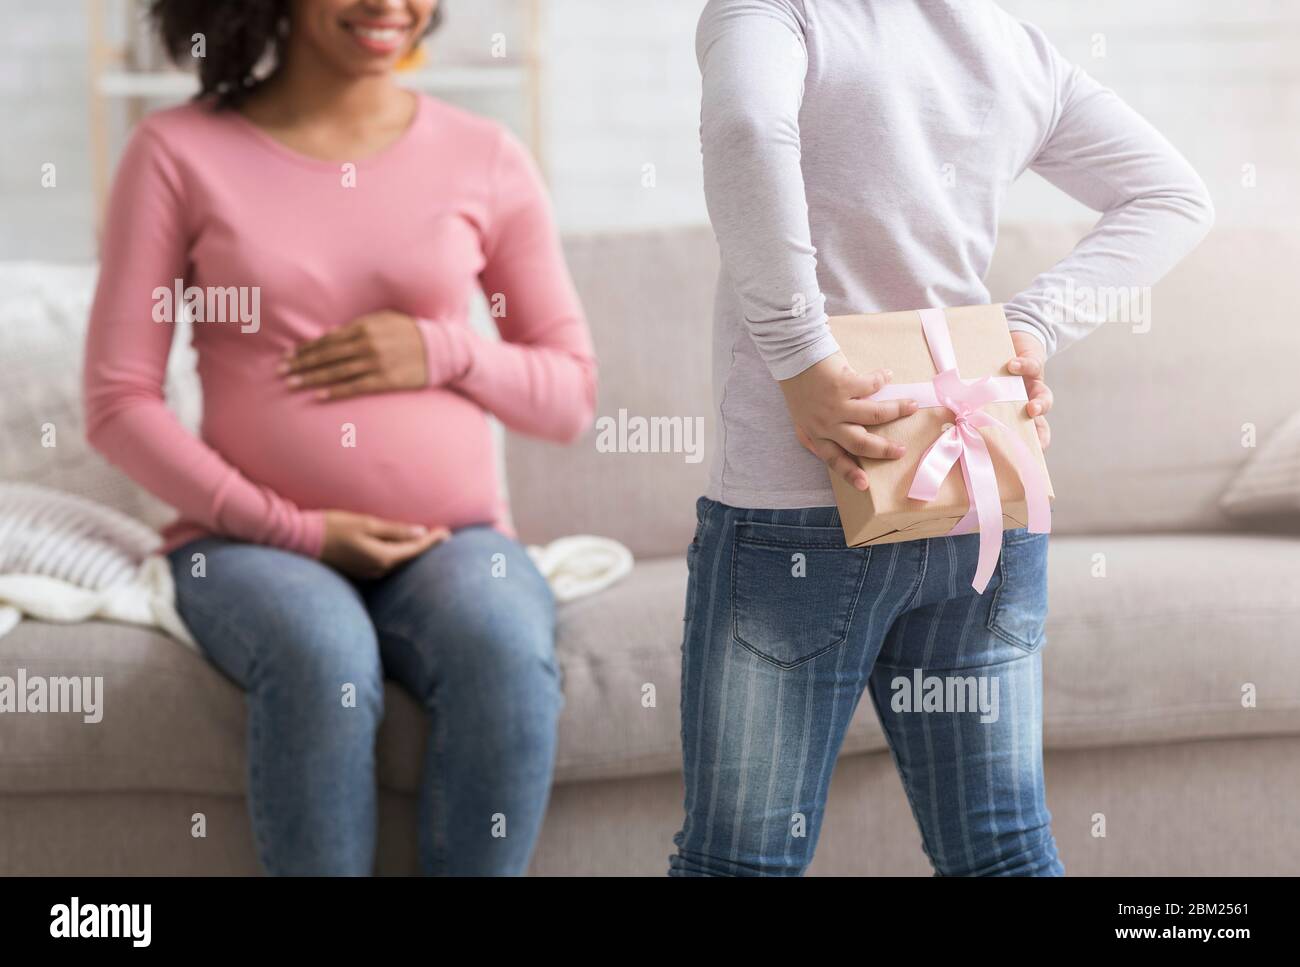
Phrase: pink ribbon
(964, 444)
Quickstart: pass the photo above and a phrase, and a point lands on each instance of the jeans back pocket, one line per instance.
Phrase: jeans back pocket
(794, 590)
(1019, 608)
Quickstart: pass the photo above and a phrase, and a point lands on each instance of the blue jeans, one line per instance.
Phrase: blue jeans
(467, 628)
(785, 629)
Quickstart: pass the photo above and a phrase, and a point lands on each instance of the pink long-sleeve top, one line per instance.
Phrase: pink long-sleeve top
(210, 199)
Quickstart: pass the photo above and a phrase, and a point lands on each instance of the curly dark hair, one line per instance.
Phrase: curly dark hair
(238, 33)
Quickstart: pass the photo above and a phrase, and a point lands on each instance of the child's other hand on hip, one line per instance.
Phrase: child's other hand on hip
(1030, 361)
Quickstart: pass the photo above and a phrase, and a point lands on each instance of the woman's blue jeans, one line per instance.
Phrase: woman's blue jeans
(467, 628)
(786, 628)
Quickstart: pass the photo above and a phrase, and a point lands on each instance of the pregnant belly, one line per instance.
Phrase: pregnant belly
(423, 457)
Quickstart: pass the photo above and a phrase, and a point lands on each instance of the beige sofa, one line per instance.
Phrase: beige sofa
(1161, 613)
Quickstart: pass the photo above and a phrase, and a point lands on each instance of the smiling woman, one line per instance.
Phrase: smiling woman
(340, 517)
(246, 39)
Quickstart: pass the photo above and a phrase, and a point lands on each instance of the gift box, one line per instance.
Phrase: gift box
(973, 461)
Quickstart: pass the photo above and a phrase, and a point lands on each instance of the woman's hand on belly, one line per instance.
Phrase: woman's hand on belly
(374, 353)
(362, 546)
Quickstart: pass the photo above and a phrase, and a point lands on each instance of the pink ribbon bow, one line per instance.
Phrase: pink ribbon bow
(963, 443)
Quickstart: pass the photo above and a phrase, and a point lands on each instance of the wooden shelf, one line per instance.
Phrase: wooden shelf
(164, 84)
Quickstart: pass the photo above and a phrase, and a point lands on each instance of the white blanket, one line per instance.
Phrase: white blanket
(582, 565)
(148, 598)
(67, 559)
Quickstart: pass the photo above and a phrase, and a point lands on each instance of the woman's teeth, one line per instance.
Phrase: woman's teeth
(379, 40)
(381, 35)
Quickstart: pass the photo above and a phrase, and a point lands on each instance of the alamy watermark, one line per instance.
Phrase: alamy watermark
(950, 693)
(122, 921)
(212, 303)
(79, 694)
(1100, 303)
(653, 434)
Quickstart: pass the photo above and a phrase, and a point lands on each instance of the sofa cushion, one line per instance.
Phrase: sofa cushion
(172, 721)
(1156, 639)
(1148, 426)
(1150, 639)
(1268, 488)
(649, 299)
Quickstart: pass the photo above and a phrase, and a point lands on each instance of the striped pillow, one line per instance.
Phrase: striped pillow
(68, 559)
(56, 535)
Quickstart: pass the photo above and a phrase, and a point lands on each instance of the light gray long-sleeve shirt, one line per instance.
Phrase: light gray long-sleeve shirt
(856, 156)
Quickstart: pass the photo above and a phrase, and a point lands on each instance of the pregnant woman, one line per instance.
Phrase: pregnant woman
(340, 517)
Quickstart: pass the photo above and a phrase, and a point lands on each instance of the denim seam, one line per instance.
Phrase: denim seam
(255, 793)
(437, 803)
(956, 668)
(411, 646)
(906, 781)
(795, 545)
(760, 525)
(1028, 647)
(1021, 539)
(708, 514)
(432, 787)
(920, 577)
(692, 570)
(1011, 639)
(254, 796)
(219, 622)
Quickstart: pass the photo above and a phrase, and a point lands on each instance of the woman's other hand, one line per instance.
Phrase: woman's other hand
(374, 353)
(362, 546)
(1030, 361)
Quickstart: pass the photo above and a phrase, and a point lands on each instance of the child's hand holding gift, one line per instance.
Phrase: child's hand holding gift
(828, 403)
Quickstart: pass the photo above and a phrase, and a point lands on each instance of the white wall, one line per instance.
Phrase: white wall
(43, 109)
(1221, 79)
(621, 92)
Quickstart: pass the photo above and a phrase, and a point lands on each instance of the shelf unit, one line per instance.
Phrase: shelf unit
(112, 79)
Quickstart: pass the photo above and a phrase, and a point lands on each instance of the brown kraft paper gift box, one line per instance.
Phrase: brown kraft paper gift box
(981, 341)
